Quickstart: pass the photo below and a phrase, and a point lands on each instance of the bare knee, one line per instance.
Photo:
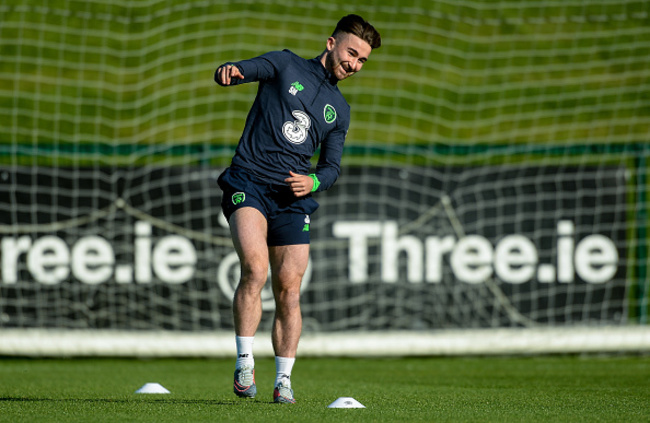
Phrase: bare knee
(253, 279)
(254, 272)
(287, 298)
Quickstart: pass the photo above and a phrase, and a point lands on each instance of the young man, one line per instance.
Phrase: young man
(267, 189)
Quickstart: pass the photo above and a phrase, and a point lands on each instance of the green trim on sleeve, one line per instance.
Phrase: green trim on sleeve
(316, 181)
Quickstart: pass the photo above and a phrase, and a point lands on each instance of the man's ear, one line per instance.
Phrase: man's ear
(331, 42)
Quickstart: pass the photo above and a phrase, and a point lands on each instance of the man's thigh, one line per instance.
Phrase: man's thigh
(288, 265)
(248, 228)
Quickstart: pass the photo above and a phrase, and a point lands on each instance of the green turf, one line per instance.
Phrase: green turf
(542, 389)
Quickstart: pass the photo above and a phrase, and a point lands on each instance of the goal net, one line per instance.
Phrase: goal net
(493, 196)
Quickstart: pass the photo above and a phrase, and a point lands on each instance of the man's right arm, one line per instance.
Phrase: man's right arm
(225, 74)
(255, 69)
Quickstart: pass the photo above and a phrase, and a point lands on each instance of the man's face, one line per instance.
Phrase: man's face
(345, 55)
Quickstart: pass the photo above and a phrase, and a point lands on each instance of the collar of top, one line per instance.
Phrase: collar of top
(320, 70)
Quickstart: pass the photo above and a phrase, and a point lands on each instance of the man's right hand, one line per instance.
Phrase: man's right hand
(226, 73)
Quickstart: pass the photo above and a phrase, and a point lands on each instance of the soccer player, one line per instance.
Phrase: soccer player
(267, 190)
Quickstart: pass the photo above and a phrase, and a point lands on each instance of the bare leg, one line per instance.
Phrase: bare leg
(248, 228)
(288, 265)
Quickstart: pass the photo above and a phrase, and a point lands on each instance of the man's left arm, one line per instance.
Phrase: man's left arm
(328, 168)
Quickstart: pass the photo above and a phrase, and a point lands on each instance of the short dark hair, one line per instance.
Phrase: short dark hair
(356, 25)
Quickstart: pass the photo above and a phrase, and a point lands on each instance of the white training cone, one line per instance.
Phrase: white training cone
(152, 388)
(346, 402)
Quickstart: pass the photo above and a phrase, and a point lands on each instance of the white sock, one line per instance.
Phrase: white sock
(244, 351)
(283, 366)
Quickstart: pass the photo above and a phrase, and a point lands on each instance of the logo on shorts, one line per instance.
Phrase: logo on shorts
(238, 198)
(330, 113)
(307, 222)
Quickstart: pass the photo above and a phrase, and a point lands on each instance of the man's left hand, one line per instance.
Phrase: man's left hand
(300, 185)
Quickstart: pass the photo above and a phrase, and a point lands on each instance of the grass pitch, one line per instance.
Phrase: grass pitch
(536, 389)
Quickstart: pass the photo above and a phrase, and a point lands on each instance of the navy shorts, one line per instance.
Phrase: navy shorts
(288, 217)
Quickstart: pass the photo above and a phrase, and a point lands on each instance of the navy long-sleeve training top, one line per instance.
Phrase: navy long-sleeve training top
(297, 108)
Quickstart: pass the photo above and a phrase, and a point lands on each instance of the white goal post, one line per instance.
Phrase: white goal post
(493, 199)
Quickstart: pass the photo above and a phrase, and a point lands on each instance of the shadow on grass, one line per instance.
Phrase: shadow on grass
(140, 399)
